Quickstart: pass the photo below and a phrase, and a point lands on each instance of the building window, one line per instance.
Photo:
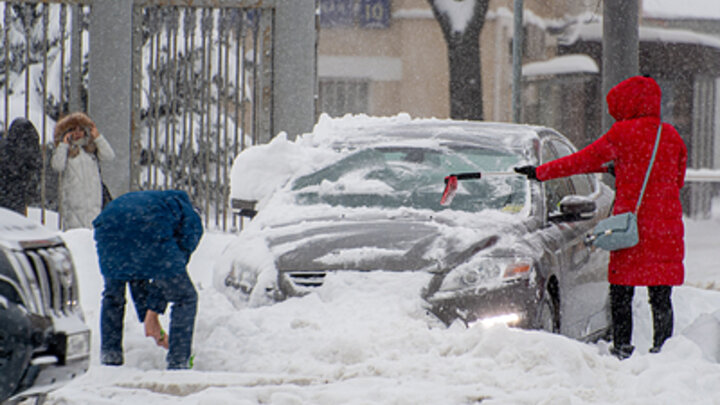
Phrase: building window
(343, 96)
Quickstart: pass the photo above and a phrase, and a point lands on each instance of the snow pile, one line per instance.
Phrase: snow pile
(365, 338)
(705, 332)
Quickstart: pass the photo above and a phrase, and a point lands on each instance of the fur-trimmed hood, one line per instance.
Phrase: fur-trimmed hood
(71, 121)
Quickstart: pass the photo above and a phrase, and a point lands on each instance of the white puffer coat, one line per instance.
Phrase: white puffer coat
(80, 183)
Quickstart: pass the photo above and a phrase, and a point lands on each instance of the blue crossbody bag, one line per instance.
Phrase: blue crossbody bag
(621, 231)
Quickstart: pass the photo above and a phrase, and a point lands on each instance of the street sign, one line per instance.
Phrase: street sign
(374, 13)
(351, 13)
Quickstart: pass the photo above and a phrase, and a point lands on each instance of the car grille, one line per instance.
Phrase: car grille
(306, 279)
(47, 281)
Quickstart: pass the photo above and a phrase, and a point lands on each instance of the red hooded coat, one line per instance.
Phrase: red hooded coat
(635, 105)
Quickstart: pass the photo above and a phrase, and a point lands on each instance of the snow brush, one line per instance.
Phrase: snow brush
(451, 183)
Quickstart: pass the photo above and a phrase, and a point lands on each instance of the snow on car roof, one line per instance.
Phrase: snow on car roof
(260, 169)
(359, 129)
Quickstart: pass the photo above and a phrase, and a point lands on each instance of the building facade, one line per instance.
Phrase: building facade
(383, 57)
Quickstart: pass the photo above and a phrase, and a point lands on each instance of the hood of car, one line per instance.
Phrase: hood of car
(17, 231)
(375, 243)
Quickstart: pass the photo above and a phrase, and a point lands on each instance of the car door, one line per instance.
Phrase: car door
(582, 270)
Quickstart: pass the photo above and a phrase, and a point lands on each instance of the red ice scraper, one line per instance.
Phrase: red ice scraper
(451, 184)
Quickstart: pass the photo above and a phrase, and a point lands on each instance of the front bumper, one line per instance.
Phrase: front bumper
(515, 303)
(63, 356)
(45, 375)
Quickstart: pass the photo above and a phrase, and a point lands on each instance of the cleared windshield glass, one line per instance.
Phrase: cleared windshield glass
(393, 177)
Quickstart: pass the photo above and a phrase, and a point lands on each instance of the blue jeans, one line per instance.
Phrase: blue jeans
(154, 295)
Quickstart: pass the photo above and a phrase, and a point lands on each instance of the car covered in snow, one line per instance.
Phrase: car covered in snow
(44, 340)
(370, 194)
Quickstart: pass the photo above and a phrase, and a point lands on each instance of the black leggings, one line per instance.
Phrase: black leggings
(621, 297)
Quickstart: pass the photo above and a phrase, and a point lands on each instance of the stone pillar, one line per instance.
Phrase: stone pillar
(295, 67)
(109, 88)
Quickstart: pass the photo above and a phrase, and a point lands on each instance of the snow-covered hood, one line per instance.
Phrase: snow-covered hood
(409, 243)
(17, 231)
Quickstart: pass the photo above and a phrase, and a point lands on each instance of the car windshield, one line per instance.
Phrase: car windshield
(394, 177)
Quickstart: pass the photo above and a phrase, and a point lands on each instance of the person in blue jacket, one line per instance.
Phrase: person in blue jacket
(145, 239)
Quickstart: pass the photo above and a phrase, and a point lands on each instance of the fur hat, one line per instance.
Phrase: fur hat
(71, 121)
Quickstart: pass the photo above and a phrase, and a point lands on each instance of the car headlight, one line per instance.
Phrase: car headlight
(242, 278)
(486, 272)
(68, 278)
(509, 319)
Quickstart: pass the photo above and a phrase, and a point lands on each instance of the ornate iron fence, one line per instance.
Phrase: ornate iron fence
(43, 72)
(202, 87)
(202, 80)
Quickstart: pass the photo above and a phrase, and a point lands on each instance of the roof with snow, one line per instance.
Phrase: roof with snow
(681, 9)
(593, 32)
(565, 64)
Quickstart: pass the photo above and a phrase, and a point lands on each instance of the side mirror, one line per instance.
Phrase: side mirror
(574, 208)
(245, 208)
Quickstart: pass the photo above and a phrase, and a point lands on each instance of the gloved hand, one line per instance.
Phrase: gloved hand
(611, 168)
(528, 171)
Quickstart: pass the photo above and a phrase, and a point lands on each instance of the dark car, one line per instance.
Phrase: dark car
(44, 341)
(504, 249)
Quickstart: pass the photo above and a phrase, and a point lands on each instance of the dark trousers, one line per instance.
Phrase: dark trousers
(112, 314)
(621, 297)
(155, 295)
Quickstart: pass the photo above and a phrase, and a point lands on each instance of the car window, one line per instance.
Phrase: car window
(393, 177)
(582, 183)
(555, 189)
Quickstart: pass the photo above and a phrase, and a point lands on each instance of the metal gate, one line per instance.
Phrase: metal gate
(202, 87)
(43, 70)
(202, 77)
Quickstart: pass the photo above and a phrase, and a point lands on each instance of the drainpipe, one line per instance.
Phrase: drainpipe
(517, 59)
(620, 44)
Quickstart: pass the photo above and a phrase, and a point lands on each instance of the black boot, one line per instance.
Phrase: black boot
(621, 310)
(662, 313)
(622, 352)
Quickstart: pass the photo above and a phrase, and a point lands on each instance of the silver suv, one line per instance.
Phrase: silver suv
(44, 340)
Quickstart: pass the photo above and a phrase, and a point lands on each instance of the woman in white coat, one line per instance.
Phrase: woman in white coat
(79, 148)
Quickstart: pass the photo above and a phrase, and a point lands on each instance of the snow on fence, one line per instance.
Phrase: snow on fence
(701, 187)
(702, 175)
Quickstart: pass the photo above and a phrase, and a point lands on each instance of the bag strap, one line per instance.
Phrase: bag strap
(647, 174)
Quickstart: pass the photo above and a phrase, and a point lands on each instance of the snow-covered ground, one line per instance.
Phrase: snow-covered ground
(365, 339)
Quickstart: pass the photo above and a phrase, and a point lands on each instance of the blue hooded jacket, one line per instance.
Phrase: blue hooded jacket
(147, 235)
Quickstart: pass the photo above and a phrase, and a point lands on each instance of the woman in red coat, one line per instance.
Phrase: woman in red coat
(657, 260)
